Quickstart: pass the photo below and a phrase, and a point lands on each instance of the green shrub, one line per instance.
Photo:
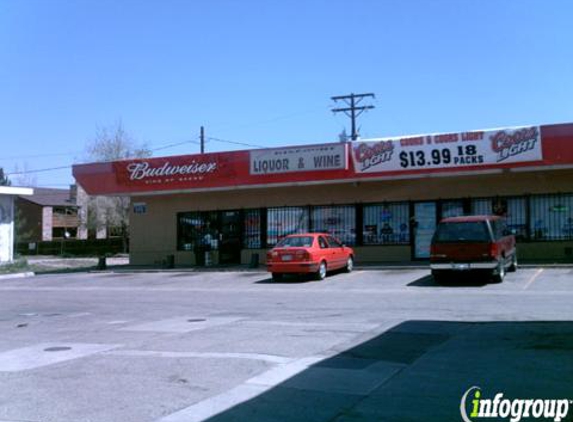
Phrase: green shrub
(17, 266)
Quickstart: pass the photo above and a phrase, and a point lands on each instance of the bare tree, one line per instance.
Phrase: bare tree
(22, 176)
(4, 181)
(112, 143)
(343, 136)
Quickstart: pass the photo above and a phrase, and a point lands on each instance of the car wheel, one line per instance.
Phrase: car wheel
(349, 264)
(500, 272)
(513, 267)
(277, 277)
(321, 273)
(439, 277)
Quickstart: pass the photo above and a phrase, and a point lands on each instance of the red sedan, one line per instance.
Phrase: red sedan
(309, 253)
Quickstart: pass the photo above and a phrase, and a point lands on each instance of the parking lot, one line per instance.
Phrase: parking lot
(235, 346)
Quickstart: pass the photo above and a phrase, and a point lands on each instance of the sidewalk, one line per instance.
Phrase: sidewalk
(54, 264)
(420, 370)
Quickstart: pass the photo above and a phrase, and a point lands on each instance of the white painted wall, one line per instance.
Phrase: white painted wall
(6, 228)
(7, 196)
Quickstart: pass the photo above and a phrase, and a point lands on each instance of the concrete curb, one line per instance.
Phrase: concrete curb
(177, 270)
(17, 275)
(427, 267)
(263, 269)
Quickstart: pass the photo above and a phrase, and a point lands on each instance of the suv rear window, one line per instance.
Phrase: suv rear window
(462, 232)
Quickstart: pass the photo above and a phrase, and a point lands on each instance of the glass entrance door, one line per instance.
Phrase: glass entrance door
(423, 228)
(230, 246)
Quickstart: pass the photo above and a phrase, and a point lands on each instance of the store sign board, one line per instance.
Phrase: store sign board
(393, 157)
(177, 171)
(453, 150)
(298, 159)
(139, 208)
(144, 170)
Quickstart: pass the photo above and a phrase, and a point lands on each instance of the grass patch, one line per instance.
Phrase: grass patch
(18, 266)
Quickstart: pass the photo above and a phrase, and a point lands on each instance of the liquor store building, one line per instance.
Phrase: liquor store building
(383, 196)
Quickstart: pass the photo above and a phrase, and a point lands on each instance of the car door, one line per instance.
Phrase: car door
(507, 239)
(325, 252)
(337, 252)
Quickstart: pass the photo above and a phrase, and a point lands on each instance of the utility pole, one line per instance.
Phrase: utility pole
(202, 138)
(353, 110)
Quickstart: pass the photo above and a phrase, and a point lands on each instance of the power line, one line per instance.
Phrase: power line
(17, 173)
(227, 141)
(235, 142)
(50, 186)
(37, 171)
(173, 145)
(61, 154)
(56, 154)
(352, 101)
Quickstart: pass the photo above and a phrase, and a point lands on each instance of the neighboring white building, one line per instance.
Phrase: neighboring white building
(7, 196)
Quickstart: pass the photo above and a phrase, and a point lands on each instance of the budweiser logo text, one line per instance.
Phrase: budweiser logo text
(143, 170)
(510, 144)
(371, 155)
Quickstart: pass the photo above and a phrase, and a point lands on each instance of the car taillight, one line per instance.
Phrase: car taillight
(271, 255)
(302, 256)
(493, 250)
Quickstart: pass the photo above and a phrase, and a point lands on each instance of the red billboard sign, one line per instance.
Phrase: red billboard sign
(414, 156)
(451, 150)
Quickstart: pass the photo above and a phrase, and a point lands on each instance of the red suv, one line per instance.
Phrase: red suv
(480, 243)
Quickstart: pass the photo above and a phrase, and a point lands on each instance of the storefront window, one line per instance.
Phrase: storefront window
(252, 229)
(452, 209)
(386, 224)
(284, 221)
(513, 209)
(339, 221)
(197, 229)
(551, 217)
(516, 216)
(481, 206)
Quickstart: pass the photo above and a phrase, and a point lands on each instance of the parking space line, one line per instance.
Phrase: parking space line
(248, 390)
(533, 278)
(207, 355)
(212, 406)
(40, 355)
(181, 324)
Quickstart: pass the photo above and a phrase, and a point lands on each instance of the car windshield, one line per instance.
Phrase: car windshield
(295, 241)
(462, 232)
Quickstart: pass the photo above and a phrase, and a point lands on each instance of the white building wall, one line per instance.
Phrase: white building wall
(47, 220)
(6, 228)
(81, 199)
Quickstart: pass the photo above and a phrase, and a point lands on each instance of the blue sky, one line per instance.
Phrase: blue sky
(262, 72)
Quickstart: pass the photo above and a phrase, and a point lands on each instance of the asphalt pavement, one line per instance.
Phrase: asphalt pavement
(373, 345)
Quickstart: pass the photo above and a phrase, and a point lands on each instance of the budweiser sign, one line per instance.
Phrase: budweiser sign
(143, 170)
